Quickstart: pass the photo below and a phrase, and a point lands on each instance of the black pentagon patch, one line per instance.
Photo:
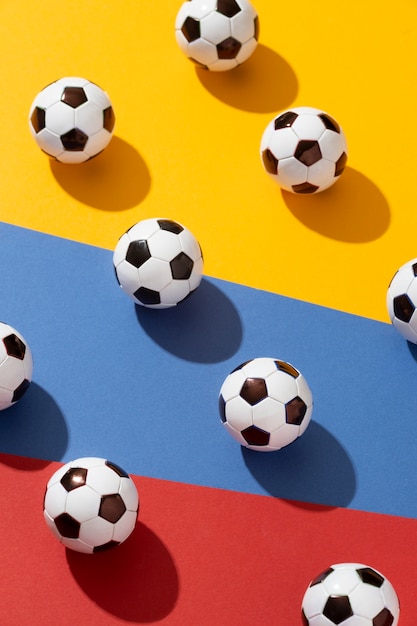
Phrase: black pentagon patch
(138, 252)
(254, 390)
(256, 28)
(270, 162)
(337, 609)
(67, 526)
(38, 119)
(74, 140)
(329, 122)
(20, 390)
(181, 266)
(75, 477)
(74, 96)
(222, 409)
(340, 164)
(228, 48)
(14, 346)
(384, 618)
(109, 119)
(403, 308)
(112, 508)
(147, 296)
(308, 152)
(106, 546)
(191, 29)
(322, 576)
(370, 576)
(117, 469)
(170, 226)
(255, 436)
(285, 120)
(228, 7)
(287, 368)
(304, 188)
(295, 411)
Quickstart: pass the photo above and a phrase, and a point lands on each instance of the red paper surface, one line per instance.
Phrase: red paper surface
(198, 556)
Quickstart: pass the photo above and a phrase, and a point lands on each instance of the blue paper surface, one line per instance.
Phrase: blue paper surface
(141, 386)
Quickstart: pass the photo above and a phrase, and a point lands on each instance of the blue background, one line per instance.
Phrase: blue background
(140, 386)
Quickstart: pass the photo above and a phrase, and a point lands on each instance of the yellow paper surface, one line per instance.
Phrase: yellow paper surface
(186, 142)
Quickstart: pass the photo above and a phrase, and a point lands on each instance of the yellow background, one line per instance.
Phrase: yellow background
(186, 142)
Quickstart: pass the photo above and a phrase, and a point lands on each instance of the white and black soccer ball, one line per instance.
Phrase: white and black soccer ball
(217, 35)
(158, 263)
(402, 300)
(265, 404)
(91, 505)
(304, 150)
(16, 366)
(350, 594)
(72, 119)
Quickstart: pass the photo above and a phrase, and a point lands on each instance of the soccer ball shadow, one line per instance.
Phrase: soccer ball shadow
(413, 349)
(249, 86)
(39, 417)
(313, 469)
(137, 581)
(115, 180)
(205, 328)
(351, 210)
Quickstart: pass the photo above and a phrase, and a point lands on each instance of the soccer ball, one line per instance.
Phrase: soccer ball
(265, 404)
(402, 300)
(158, 263)
(217, 35)
(16, 366)
(351, 594)
(72, 120)
(304, 150)
(91, 505)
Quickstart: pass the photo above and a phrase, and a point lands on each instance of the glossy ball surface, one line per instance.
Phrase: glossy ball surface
(304, 150)
(16, 366)
(91, 505)
(217, 35)
(350, 593)
(402, 300)
(265, 404)
(72, 119)
(158, 263)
